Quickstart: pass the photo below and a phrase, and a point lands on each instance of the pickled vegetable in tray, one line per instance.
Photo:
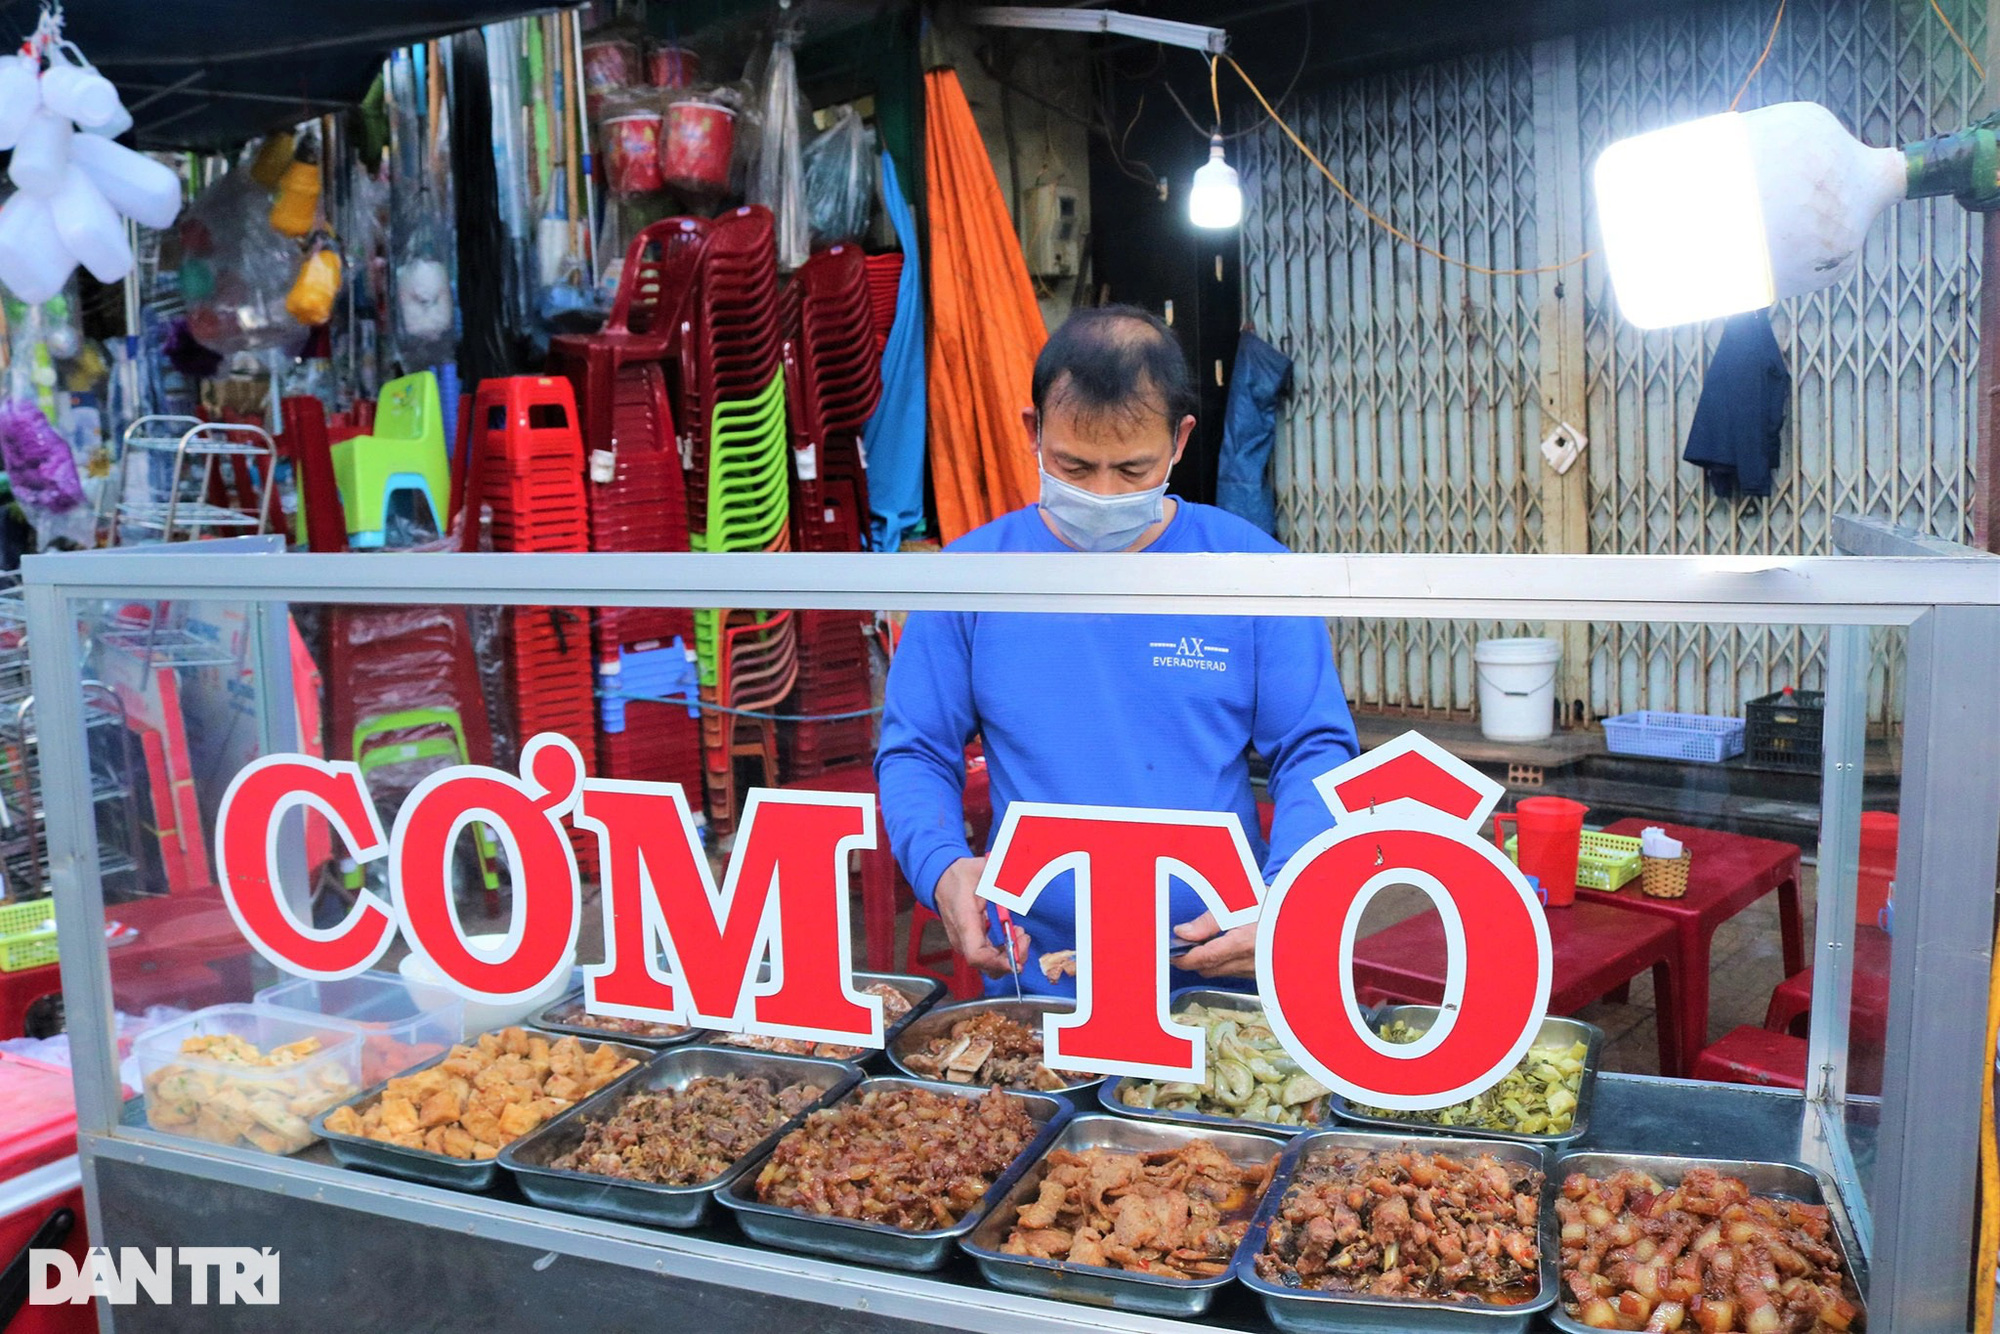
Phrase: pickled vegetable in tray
(1537, 1097)
(1250, 1076)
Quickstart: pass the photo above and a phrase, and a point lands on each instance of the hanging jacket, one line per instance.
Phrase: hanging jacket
(893, 440)
(1262, 376)
(1741, 415)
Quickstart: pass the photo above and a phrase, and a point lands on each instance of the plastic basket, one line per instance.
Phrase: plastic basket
(1605, 861)
(1785, 729)
(18, 917)
(1674, 736)
(27, 935)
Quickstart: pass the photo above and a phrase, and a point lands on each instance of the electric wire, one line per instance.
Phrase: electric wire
(1305, 55)
(1369, 213)
(1776, 20)
(1971, 59)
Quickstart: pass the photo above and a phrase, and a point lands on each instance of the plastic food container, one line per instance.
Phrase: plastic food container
(1100, 1285)
(632, 156)
(696, 149)
(400, 1027)
(267, 1107)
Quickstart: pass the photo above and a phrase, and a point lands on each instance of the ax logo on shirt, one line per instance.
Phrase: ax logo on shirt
(1191, 651)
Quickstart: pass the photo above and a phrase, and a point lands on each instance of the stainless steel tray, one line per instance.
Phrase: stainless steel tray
(432, 1169)
(1299, 1312)
(1028, 1010)
(549, 1022)
(644, 1202)
(924, 992)
(1108, 1094)
(1096, 1285)
(1566, 1031)
(876, 1243)
(1786, 1180)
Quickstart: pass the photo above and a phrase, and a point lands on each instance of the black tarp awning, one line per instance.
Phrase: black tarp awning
(212, 73)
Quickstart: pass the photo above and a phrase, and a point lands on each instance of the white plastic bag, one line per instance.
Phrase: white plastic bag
(777, 182)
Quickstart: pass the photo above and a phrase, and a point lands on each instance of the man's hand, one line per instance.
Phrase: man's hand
(964, 917)
(1232, 953)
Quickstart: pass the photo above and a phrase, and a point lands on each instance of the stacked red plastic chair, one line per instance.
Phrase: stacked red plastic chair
(837, 382)
(525, 475)
(636, 491)
(834, 690)
(885, 274)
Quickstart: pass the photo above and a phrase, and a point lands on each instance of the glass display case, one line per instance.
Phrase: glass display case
(1888, 1118)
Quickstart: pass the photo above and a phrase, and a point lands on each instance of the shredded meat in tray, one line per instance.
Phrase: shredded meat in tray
(1176, 1213)
(1408, 1224)
(683, 1137)
(904, 1158)
(986, 1047)
(1706, 1256)
(894, 1006)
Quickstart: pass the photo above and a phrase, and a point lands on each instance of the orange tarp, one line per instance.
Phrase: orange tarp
(985, 330)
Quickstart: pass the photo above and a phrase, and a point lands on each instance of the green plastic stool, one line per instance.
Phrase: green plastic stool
(406, 453)
(423, 748)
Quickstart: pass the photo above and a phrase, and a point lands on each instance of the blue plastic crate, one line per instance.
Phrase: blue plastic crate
(1674, 736)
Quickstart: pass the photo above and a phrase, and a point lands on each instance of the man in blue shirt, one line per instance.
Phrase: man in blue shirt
(1113, 710)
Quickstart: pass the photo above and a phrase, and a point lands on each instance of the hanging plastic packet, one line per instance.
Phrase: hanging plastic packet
(777, 180)
(425, 315)
(311, 298)
(235, 271)
(839, 173)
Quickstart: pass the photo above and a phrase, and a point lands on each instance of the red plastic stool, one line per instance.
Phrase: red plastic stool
(964, 981)
(1791, 1005)
(1750, 1055)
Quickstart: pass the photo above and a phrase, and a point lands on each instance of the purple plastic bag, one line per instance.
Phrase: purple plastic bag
(39, 464)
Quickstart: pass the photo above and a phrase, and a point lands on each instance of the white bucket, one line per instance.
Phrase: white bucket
(1517, 688)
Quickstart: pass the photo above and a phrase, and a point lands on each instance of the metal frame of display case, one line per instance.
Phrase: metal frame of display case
(1917, 1222)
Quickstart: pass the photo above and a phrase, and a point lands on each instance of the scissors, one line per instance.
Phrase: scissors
(1007, 944)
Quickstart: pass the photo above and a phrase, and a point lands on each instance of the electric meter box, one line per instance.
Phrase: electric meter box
(1051, 232)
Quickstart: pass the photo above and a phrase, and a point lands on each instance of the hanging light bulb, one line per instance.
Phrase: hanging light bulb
(1216, 199)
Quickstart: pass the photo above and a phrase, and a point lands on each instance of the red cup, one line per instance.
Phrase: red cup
(632, 153)
(696, 148)
(1550, 834)
(673, 67)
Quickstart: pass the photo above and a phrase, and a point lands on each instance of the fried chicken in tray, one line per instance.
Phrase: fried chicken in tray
(1706, 1255)
(905, 1158)
(685, 1136)
(894, 1006)
(1408, 1224)
(1175, 1213)
(986, 1048)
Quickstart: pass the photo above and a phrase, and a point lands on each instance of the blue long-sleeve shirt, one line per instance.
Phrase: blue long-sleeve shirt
(1111, 710)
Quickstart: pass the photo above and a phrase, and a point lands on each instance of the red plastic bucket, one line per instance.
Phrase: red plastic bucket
(673, 67)
(1550, 832)
(608, 62)
(632, 153)
(695, 151)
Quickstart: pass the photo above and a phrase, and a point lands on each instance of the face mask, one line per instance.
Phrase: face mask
(1090, 522)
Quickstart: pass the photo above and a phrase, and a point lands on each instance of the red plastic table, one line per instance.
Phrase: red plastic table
(1727, 873)
(1597, 950)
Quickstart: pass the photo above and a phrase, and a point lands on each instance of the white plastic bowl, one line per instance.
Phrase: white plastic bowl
(480, 1016)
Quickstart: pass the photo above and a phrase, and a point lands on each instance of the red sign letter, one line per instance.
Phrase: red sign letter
(784, 898)
(1123, 860)
(1496, 938)
(525, 813)
(246, 839)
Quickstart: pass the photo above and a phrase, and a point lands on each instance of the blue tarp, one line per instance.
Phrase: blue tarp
(894, 436)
